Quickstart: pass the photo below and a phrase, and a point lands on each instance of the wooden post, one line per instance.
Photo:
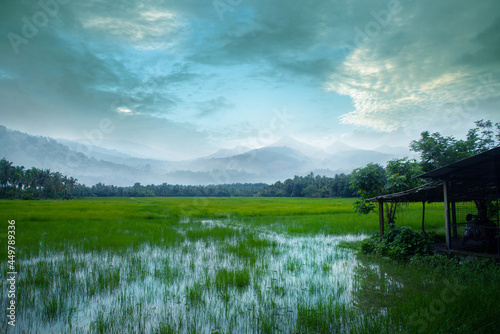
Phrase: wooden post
(381, 217)
(447, 214)
(423, 217)
(454, 220)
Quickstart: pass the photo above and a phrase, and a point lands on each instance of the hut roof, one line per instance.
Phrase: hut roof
(480, 167)
(470, 178)
(430, 192)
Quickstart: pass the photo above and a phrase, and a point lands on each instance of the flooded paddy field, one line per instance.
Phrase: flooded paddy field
(178, 266)
(235, 280)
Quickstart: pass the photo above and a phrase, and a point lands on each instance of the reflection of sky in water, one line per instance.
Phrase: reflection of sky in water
(154, 283)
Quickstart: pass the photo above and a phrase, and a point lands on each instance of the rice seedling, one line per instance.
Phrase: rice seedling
(194, 293)
(183, 265)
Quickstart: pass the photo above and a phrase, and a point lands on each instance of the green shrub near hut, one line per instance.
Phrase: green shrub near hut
(399, 243)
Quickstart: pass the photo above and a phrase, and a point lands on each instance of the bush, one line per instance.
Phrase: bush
(399, 243)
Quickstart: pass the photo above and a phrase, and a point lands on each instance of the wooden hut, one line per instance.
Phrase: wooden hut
(467, 187)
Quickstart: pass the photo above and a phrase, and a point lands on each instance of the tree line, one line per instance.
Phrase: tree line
(16, 182)
(370, 181)
(435, 151)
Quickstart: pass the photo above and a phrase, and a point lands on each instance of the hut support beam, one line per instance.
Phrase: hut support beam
(454, 220)
(423, 217)
(381, 217)
(447, 214)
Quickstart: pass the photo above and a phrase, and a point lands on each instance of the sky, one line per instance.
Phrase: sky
(180, 79)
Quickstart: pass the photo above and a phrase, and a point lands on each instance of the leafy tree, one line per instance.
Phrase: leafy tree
(484, 136)
(436, 150)
(373, 180)
(311, 191)
(368, 181)
(402, 175)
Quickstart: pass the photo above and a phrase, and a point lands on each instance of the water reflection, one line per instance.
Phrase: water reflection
(180, 287)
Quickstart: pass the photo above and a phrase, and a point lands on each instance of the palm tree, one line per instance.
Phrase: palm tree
(64, 182)
(56, 183)
(70, 183)
(5, 172)
(30, 180)
(17, 178)
(37, 180)
(44, 179)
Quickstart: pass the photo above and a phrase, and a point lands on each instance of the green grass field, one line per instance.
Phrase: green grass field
(119, 223)
(216, 265)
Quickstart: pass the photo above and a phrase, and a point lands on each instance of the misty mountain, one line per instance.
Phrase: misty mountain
(338, 146)
(400, 151)
(294, 144)
(225, 153)
(215, 176)
(348, 160)
(101, 153)
(93, 151)
(46, 153)
(269, 162)
(238, 165)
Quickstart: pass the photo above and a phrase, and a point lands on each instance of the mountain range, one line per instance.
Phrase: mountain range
(284, 159)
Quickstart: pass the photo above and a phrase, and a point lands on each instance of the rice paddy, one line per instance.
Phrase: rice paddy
(184, 265)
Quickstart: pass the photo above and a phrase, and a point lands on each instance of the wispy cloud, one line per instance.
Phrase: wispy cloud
(413, 69)
(337, 66)
(210, 107)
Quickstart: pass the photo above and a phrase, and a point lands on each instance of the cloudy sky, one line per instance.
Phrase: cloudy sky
(186, 78)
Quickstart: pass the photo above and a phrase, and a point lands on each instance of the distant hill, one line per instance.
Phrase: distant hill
(238, 165)
(400, 151)
(224, 153)
(338, 146)
(43, 152)
(348, 160)
(304, 148)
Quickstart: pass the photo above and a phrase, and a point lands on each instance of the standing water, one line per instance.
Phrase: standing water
(220, 276)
